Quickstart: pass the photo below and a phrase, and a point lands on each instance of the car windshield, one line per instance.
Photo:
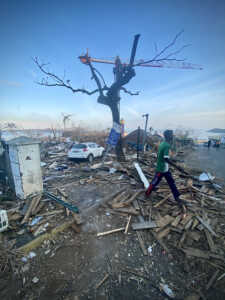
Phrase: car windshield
(79, 146)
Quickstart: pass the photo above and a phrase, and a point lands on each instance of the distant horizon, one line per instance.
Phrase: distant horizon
(60, 33)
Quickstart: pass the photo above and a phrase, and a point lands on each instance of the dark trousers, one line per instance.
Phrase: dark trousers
(156, 180)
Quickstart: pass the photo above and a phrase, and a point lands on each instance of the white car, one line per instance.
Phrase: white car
(85, 151)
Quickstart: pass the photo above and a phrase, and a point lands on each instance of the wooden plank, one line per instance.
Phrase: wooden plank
(110, 231)
(183, 237)
(194, 235)
(118, 198)
(62, 193)
(176, 221)
(127, 226)
(53, 212)
(141, 242)
(143, 225)
(187, 218)
(136, 205)
(75, 228)
(121, 203)
(196, 252)
(206, 195)
(206, 225)
(162, 201)
(212, 279)
(102, 281)
(160, 241)
(135, 195)
(29, 211)
(130, 211)
(46, 236)
(112, 195)
(163, 221)
(210, 240)
(77, 218)
(163, 233)
(36, 204)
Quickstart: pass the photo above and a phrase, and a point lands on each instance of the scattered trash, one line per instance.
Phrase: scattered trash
(35, 221)
(47, 251)
(206, 177)
(43, 164)
(35, 280)
(30, 255)
(167, 290)
(112, 170)
(150, 250)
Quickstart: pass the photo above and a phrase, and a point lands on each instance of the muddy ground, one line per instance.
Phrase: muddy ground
(209, 160)
(73, 265)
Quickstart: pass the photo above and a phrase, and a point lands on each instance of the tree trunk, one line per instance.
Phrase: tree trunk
(116, 118)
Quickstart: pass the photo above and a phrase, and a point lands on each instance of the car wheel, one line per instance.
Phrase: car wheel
(90, 158)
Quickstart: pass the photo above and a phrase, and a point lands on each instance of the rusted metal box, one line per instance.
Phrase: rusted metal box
(24, 167)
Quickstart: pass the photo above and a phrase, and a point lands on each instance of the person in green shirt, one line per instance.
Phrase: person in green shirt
(162, 169)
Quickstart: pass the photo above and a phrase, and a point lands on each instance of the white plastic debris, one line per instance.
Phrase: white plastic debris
(24, 259)
(35, 221)
(31, 254)
(167, 290)
(150, 250)
(35, 280)
(206, 176)
(112, 170)
(43, 164)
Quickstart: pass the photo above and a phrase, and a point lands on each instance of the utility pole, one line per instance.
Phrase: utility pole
(146, 124)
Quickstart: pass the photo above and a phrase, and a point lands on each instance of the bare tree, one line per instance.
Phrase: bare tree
(66, 118)
(110, 95)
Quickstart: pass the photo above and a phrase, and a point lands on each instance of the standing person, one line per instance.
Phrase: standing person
(209, 143)
(162, 169)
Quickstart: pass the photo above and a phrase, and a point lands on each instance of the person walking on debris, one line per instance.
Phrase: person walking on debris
(162, 170)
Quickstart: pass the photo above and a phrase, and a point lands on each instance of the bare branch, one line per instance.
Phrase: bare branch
(93, 72)
(57, 81)
(129, 92)
(158, 57)
(100, 76)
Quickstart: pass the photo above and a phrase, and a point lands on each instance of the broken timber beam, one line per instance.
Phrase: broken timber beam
(33, 205)
(163, 200)
(128, 224)
(141, 242)
(46, 236)
(206, 225)
(110, 231)
(143, 225)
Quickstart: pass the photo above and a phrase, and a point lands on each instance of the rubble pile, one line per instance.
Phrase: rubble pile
(197, 238)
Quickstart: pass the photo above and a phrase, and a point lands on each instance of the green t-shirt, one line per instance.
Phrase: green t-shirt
(163, 152)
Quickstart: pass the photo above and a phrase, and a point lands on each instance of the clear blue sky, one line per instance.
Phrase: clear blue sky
(59, 31)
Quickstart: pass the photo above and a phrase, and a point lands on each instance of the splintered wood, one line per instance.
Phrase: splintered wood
(110, 231)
